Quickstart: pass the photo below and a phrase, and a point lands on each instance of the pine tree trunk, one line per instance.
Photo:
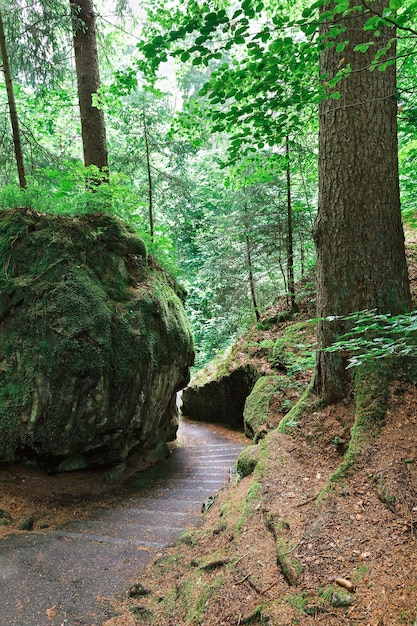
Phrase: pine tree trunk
(358, 232)
(88, 80)
(12, 108)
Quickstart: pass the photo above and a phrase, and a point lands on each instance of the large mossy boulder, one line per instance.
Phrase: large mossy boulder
(271, 399)
(94, 341)
(256, 412)
(222, 398)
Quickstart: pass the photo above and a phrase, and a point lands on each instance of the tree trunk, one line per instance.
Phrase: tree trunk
(358, 231)
(12, 108)
(88, 80)
(150, 182)
(250, 266)
(290, 246)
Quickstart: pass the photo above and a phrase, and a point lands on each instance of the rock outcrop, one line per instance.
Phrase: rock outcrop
(222, 399)
(94, 342)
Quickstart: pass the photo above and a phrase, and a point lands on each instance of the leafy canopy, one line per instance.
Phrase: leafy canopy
(261, 59)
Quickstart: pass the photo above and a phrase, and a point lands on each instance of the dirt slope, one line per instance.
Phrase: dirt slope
(271, 552)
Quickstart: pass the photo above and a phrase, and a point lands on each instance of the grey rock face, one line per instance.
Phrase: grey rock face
(221, 400)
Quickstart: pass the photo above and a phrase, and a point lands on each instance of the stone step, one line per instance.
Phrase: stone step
(136, 532)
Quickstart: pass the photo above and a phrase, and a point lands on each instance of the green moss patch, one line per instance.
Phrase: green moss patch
(295, 348)
(255, 415)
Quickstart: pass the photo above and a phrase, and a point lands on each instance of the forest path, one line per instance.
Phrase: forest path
(67, 577)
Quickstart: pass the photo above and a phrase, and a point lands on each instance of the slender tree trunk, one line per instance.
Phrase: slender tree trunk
(290, 246)
(12, 108)
(358, 231)
(93, 129)
(302, 256)
(280, 263)
(249, 264)
(150, 182)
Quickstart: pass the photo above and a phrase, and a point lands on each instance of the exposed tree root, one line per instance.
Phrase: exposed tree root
(371, 392)
(290, 567)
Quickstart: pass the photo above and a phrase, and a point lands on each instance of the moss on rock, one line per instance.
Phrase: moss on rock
(295, 348)
(255, 415)
(247, 460)
(221, 400)
(94, 341)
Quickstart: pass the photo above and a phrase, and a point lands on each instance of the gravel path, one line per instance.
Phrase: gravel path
(68, 576)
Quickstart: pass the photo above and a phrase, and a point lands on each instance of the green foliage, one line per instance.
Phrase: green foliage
(377, 336)
(242, 62)
(63, 191)
(248, 76)
(246, 202)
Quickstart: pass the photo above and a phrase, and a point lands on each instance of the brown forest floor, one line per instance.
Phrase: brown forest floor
(227, 573)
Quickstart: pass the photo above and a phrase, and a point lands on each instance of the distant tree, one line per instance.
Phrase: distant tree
(12, 107)
(290, 231)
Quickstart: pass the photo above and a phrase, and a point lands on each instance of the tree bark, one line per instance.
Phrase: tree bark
(290, 245)
(12, 107)
(150, 181)
(93, 129)
(250, 266)
(358, 231)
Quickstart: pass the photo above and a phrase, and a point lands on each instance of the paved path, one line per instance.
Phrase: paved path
(67, 576)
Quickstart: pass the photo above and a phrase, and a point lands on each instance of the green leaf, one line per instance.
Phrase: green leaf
(383, 66)
(158, 41)
(372, 23)
(211, 18)
(149, 50)
(341, 7)
(363, 47)
(309, 29)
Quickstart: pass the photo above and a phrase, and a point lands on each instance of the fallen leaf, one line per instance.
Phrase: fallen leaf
(51, 613)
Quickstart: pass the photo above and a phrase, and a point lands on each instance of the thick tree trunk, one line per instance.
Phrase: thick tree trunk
(358, 232)
(88, 79)
(12, 108)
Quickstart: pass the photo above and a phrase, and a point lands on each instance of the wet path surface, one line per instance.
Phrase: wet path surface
(68, 576)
